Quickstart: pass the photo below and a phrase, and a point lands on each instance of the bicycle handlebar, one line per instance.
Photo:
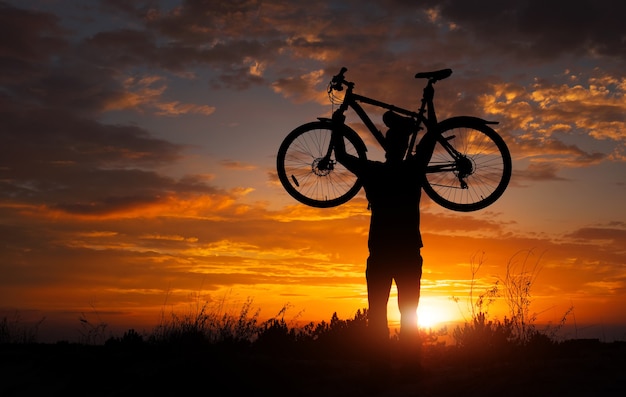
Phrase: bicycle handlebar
(340, 75)
(338, 81)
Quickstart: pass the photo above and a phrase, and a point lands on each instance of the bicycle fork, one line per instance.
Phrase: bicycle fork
(325, 164)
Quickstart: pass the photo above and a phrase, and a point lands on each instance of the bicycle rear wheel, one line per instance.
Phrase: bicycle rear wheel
(299, 171)
(480, 173)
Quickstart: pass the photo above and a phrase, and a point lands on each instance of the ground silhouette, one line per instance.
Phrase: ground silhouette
(126, 368)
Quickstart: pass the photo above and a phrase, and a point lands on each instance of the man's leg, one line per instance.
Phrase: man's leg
(408, 281)
(378, 287)
(408, 301)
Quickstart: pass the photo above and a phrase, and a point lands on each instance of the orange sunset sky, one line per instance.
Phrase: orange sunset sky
(139, 140)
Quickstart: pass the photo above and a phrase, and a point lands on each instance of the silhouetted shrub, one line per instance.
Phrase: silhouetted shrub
(276, 338)
(130, 340)
(15, 331)
(482, 339)
(205, 327)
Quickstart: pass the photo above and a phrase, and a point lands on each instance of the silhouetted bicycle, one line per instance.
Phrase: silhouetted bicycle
(469, 170)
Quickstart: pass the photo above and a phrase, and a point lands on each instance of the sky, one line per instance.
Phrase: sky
(139, 141)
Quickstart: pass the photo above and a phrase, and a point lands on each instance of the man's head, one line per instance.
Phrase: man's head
(397, 142)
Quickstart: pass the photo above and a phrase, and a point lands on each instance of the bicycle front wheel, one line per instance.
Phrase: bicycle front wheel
(301, 170)
(470, 167)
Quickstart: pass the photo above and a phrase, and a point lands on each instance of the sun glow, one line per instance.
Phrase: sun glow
(431, 316)
(432, 313)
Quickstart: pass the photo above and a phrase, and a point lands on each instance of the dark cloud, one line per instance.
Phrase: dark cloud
(55, 152)
(133, 8)
(550, 150)
(29, 36)
(123, 48)
(83, 166)
(538, 172)
(538, 29)
(57, 136)
(42, 68)
(615, 236)
(236, 165)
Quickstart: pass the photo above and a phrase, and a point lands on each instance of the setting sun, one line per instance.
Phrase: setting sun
(429, 317)
(432, 312)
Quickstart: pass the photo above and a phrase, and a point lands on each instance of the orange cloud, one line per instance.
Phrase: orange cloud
(302, 88)
(237, 165)
(144, 93)
(546, 109)
(176, 108)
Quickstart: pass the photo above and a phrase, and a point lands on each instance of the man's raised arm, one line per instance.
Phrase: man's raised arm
(426, 146)
(349, 161)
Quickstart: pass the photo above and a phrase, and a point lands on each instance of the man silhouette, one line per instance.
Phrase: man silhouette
(393, 189)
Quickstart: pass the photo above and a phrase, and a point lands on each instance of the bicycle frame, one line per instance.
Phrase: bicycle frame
(351, 100)
(468, 169)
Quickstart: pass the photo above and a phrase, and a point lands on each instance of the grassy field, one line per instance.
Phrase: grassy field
(212, 355)
(575, 368)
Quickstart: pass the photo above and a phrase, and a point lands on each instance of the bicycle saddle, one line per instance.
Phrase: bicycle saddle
(436, 75)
